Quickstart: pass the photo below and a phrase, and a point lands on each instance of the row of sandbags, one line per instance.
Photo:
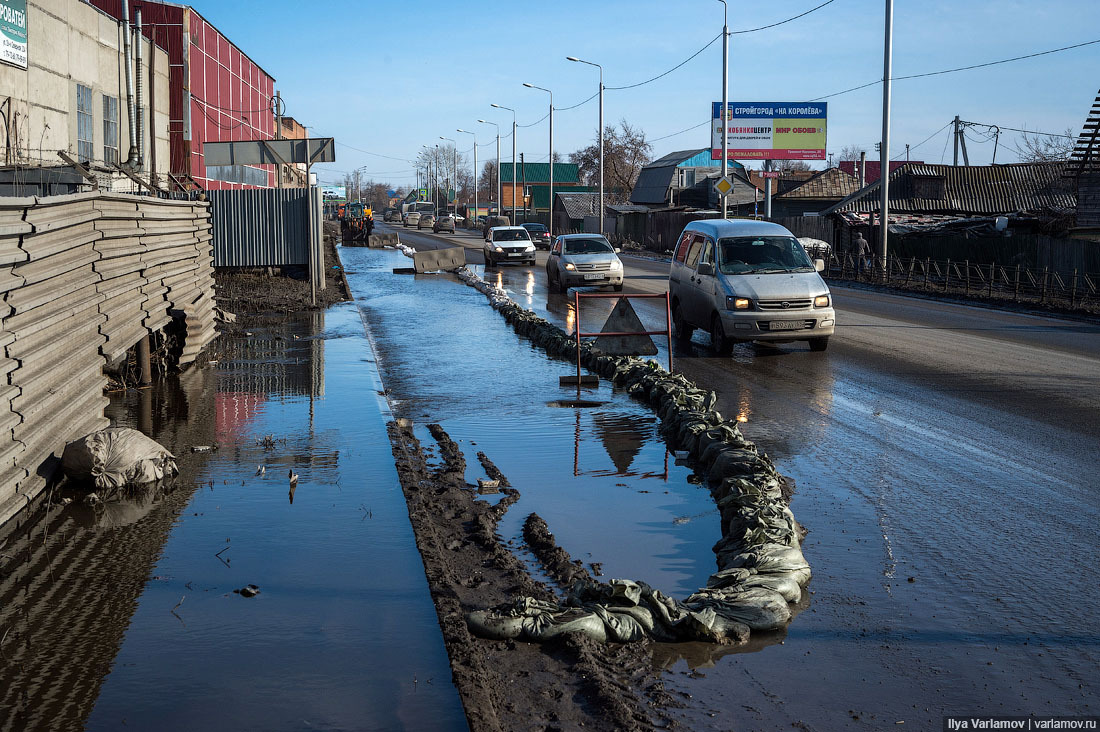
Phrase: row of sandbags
(760, 564)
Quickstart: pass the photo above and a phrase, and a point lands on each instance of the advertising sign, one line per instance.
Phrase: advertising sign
(338, 194)
(13, 32)
(769, 130)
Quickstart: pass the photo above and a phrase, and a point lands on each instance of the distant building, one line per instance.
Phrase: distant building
(823, 189)
(68, 94)
(217, 94)
(664, 181)
(873, 168)
(534, 176)
(294, 176)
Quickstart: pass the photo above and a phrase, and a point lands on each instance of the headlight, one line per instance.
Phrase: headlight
(498, 249)
(570, 266)
(738, 303)
(616, 264)
(821, 301)
(530, 248)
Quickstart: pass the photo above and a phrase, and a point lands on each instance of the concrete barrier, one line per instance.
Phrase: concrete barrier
(436, 259)
(83, 278)
(377, 241)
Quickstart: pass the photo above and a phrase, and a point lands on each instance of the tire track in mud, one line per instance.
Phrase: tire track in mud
(509, 685)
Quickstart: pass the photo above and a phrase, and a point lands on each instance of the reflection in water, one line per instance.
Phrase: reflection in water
(623, 436)
(530, 289)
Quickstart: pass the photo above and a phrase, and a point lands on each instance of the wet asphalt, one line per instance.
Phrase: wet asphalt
(945, 461)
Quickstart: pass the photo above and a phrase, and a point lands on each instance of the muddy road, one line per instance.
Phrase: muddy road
(945, 462)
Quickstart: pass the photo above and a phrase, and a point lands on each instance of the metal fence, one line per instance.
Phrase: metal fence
(1076, 290)
(261, 227)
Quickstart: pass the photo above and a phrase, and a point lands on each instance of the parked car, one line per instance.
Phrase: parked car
(444, 223)
(508, 244)
(490, 222)
(816, 248)
(748, 280)
(426, 221)
(539, 234)
(583, 260)
(412, 218)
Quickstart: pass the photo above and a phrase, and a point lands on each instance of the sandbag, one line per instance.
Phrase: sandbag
(117, 457)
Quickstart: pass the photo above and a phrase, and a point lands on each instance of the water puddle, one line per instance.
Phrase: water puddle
(300, 499)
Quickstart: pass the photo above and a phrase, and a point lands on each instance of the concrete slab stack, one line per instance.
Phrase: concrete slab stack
(83, 278)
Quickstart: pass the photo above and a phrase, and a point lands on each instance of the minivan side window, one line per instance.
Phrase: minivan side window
(708, 252)
(682, 248)
(694, 251)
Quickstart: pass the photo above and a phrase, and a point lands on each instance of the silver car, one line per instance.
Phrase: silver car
(583, 260)
(444, 223)
(412, 219)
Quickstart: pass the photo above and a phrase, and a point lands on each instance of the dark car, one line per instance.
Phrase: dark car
(492, 221)
(540, 235)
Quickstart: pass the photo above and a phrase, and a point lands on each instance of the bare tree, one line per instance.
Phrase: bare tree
(487, 181)
(850, 152)
(789, 166)
(625, 154)
(1039, 147)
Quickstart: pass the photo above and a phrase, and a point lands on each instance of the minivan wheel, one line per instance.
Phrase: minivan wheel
(718, 340)
(819, 344)
(680, 329)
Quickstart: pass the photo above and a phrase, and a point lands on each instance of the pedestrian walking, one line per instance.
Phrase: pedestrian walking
(862, 250)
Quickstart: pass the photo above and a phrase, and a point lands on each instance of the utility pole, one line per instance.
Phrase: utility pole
(884, 172)
(279, 136)
(494, 124)
(768, 191)
(725, 105)
(574, 58)
(513, 158)
(956, 123)
(550, 206)
(474, 135)
(523, 173)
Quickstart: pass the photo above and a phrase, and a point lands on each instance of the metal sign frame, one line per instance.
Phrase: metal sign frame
(577, 328)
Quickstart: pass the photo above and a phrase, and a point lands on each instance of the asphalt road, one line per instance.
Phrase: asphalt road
(946, 462)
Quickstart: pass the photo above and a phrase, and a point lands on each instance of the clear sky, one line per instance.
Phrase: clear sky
(387, 77)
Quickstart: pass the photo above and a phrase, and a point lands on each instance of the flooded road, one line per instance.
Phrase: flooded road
(125, 616)
(946, 469)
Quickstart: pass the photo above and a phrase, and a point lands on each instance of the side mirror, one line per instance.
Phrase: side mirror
(705, 268)
(617, 250)
(555, 253)
(819, 265)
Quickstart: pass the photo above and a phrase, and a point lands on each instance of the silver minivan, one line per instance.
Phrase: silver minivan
(744, 280)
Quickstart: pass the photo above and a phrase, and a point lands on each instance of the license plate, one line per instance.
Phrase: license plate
(593, 276)
(787, 325)
(516, 254)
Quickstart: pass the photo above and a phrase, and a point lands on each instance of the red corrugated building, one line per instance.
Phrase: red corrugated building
(217, 93)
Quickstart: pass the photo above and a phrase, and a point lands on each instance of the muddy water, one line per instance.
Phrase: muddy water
(599, 476)
(142, 629)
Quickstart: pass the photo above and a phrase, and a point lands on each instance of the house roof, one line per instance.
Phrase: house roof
(540, 172)
(578, 205)
(968, 190)
(540, 195)
(1085, 157)
(832, 183)
(874, 167)
(657, 177)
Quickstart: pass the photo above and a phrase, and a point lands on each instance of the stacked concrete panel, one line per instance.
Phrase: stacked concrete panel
(83, 278)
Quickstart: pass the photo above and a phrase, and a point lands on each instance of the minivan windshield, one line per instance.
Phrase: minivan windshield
(587, 246)
(762, 255)
(511, 235)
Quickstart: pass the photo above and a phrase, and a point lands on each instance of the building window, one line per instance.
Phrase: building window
(85, 132)
(110, 130)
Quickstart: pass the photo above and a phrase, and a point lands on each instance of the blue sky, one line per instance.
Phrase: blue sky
(386, 78)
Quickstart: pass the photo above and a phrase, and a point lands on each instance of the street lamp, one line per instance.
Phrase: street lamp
(513, 159)
(550, 208)
(725, 97)
(466, 132)
(494, 124)
(581, 61)
(454, 169)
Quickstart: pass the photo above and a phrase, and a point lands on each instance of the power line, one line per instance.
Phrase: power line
(788, 20)
(959, 68)
(666, 73)
(686, 129)
(914, 147)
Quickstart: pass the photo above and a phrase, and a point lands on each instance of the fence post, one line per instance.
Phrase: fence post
(1043, 298)
(947, 278)
(1016, 291)
(992, 274)
(909, 273)
(1073, 291)
(967, 265)
(927, 270)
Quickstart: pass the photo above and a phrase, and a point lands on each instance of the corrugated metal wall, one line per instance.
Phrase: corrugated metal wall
(264, 227)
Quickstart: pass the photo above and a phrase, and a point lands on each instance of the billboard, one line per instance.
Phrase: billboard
(13, 32)
(334, 193)
(769, 130)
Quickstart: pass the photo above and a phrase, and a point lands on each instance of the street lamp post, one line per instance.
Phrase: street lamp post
(475, 170)
(550, 207)
(454, 170)
(513, 159)
(494, 124)
(581, 61)
(725, 98)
